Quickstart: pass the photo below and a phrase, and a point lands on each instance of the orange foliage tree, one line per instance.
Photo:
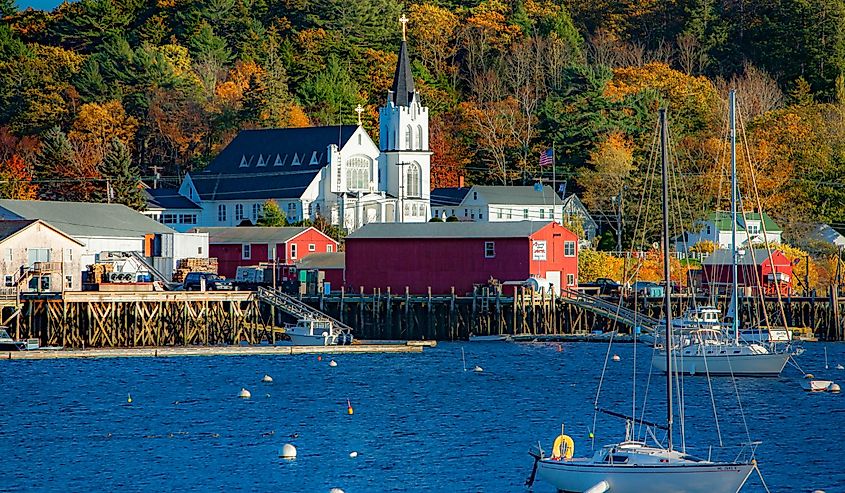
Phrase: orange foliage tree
(16, 180)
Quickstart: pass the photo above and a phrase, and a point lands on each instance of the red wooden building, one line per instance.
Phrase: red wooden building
(250, 245)
(460, 255)
(755, 270)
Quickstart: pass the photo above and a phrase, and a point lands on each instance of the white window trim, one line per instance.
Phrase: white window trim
(574, 250)
(293, 250)
(246, 251)
(488, 246)
(312, 247)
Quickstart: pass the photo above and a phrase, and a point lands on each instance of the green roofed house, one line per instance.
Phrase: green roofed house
(752, 228)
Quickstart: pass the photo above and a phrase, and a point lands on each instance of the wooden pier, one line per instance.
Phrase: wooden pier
(185, 319)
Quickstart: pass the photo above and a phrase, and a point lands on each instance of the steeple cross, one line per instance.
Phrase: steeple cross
(359, 109)
(403, 20)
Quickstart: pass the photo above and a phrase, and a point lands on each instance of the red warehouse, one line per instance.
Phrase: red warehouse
(460, 255)
(249, 245)
(754, 270)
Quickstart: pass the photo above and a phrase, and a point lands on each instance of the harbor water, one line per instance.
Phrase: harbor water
(419, 423)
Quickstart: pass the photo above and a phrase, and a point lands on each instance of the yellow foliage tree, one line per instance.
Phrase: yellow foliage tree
(611, 163)
(433, 31)
(97, 124)
(593, 264)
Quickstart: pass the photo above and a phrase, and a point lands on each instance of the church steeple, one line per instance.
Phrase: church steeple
(402, 90)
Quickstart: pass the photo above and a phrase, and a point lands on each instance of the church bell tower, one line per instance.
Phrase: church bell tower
(405, 159)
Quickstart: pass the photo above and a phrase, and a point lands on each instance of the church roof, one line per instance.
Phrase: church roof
(403, 79)
(269, 163)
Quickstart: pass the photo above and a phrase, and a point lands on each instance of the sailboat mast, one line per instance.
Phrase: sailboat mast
(667, 292)
(734, 199)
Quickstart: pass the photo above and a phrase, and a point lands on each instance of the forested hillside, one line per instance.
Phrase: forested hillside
(103, 90)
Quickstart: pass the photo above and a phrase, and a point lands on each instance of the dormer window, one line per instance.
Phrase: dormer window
(244, 162)
(295, 161)
(261, 161)
(280, 161)
(314, 158)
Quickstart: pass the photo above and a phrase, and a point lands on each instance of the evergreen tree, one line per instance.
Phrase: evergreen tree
(122, 178)
(56, 153)
(272, 215)
(7, 8)
(330, 96)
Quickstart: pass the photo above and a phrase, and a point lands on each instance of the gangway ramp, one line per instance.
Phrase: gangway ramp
(296, 308)
(607, 309)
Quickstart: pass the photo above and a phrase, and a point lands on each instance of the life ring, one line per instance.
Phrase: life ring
(569, 447)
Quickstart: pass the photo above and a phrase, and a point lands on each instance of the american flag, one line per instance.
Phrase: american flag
(547, 157)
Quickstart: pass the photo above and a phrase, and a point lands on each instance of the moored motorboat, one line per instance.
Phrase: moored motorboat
(317, 332)
(9, 344)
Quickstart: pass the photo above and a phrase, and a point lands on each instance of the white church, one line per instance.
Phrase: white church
(336, 172)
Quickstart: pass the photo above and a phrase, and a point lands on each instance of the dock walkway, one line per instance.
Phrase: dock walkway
(168, 352)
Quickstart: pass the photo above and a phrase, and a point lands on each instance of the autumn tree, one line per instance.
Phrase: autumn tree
(16, 180)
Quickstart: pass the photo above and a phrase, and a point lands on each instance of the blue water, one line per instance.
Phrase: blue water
(420, 423)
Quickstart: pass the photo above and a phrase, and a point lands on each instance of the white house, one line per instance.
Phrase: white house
(752, 228)
(111, 228)
(509, 203)
(169, 207)
(335, 172)
(36, 257)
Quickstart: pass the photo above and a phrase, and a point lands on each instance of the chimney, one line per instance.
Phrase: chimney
(461, 181)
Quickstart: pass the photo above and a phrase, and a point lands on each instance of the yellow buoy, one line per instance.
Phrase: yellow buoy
(129, 398)
(349, 407)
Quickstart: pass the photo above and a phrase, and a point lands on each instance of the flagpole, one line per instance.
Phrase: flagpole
(554, 185)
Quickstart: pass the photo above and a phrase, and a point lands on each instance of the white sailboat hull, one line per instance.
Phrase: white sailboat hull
(769, 365)
(578, 476)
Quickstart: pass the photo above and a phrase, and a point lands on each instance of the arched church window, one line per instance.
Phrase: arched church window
(420, 144)
(358, 173)
(412, 180)
(409, 138)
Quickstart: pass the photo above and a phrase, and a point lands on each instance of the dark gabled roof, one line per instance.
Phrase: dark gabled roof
(8, 228)
(249, 234)
(330, 260)
(521, 229)
(251, 147)
(168, 198)
(85, 218)
(255, 186)
(280, 161)
(448, 196)
(403, 79)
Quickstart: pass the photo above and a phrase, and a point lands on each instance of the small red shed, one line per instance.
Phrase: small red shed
(249, 245)
(755, 270)
(460, 255)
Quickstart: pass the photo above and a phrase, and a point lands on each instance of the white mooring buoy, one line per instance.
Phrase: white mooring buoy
(288, 452)
(616, 358)
(332, 363)
(834, 387)
(244, 394)
(840, 367)
(267, 379)
(335, 490)
(478, 369)
(353, 454)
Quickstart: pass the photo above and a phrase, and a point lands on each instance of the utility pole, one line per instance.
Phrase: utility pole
(156, 176)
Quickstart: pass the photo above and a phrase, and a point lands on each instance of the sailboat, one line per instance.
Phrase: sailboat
(633, 466)
(711, 351)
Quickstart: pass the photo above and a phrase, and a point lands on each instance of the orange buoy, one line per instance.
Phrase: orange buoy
(349, 407)
(319, 358)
